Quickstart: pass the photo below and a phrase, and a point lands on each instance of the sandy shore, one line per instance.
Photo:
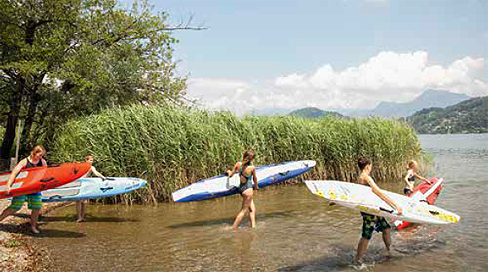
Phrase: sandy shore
(16, 251)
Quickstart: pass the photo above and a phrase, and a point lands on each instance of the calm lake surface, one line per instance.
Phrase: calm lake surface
(296, 230)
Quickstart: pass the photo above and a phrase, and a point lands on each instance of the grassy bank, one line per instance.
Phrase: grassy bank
(172, 147)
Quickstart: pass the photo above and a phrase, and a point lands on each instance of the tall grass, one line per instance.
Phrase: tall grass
(172, 147)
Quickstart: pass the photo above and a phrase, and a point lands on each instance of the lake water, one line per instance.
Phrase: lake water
(296, 231)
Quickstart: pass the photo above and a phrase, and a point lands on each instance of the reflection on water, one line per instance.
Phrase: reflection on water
(296, 230)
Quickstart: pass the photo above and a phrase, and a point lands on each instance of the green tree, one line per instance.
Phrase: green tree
(65, 58)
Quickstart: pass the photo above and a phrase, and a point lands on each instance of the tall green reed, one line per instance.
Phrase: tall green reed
(172, 147)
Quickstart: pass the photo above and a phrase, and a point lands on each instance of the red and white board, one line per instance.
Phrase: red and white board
(423, 192)
(37, 179)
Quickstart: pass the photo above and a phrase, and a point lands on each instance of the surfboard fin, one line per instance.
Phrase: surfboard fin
(386, 210)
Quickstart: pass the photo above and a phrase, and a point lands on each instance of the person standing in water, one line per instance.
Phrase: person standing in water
(247, 174)
(81, 204)
(34, 200)
(411, 175)
(371, 222)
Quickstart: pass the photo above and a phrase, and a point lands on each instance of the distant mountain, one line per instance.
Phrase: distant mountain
(470, 116)
(353, 112)
(428, 99)
(312, 112)
(271, 111)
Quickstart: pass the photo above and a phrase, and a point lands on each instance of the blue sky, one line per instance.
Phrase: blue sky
(332, 53)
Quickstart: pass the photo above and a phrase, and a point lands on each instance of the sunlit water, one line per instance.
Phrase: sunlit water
(296, 230)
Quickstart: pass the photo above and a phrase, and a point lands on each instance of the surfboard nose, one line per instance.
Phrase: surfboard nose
(310, 185)
(309, 163)
(143, 183)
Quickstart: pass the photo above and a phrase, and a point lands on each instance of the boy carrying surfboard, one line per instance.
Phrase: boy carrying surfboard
(371, 222)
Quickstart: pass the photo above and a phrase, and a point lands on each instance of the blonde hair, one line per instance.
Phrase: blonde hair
(88, 157)
(36, 150)
(247, 157)
(411, 164)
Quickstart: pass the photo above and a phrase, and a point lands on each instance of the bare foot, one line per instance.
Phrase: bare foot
(228, 227)
(80, 220)
(35, 230)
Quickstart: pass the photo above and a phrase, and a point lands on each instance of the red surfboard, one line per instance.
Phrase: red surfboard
(423, 192)
(34, 180)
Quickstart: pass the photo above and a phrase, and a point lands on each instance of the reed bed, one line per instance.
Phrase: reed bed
(172, 147)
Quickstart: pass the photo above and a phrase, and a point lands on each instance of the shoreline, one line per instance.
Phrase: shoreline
(16, 247)
(16, 250)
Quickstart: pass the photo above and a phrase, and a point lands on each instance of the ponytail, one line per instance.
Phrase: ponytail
(247, 157)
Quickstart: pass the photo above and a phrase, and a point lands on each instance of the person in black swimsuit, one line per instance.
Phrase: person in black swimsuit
(247, 174)
(411, 175)
(34, 200)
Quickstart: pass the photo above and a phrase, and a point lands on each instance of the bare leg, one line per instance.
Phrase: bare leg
(80, 205)
(246, 203)
(34, 218)
(252, 214)
(362, 246)
(83, 209)
(387, 239)
(7, 212)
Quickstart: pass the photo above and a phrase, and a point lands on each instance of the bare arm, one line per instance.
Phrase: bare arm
(15, 172)
(97, 173)
(384, 197)
(230, 173)
(255, 178)
(421, 178)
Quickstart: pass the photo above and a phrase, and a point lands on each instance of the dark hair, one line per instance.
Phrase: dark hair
(363, 162)
(247, 157)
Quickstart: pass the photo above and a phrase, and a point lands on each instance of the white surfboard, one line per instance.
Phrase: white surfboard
(361, 198)
(419, 196)
(220, 186)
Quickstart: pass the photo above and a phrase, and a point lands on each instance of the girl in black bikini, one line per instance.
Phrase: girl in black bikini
(411, 175)
(247, 174)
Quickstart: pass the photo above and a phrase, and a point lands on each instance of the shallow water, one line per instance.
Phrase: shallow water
(296, 230)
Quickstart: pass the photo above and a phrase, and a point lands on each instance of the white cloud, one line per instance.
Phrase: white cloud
(293, 79)
(388, 76)
(394, 72)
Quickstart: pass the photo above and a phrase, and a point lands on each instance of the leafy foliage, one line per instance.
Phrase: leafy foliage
(66, 58)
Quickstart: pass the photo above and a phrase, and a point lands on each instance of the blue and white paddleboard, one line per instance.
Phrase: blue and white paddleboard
(91, 188)
(223, 186)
